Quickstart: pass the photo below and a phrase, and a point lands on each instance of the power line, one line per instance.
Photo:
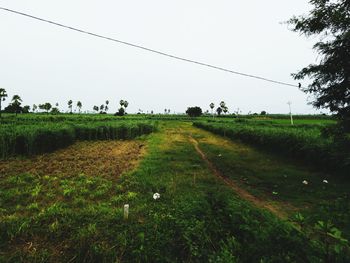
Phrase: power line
(148, 49)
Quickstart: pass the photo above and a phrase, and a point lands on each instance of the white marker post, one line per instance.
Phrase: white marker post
(290, 112)
(126, 211)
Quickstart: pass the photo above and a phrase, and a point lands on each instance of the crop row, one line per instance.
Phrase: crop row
(37, 139)
(304, 144)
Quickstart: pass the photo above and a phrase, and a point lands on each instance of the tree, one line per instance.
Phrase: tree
(26, 109)
(106, 107)
(95, 108)
(126, 104)
(42, 106)
(102, 107)
(120, 112)
(35, 107)
(194, 111)
(3, 96)
(222, 104)
(79, 105)
(263, 113)
(47, 107)
(70, 106)
(330, 85)
(55, 110)
(219, 111)
(225, 109)
(212, 105)
(16, 104)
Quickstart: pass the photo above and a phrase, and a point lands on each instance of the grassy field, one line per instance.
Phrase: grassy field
(220, 200)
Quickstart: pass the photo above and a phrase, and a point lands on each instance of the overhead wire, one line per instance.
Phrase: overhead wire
(149, 49)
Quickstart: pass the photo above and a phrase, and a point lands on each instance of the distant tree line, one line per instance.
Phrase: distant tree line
(15, 106)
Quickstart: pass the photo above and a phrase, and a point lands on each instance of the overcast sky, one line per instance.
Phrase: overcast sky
(45, 63)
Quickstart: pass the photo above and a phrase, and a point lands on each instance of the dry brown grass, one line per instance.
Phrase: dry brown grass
(99, 158)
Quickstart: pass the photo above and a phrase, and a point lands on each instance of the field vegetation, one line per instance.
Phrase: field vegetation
(308, 140)
(31, 135)
(68, 205)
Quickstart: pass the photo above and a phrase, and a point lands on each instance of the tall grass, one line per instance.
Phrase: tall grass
(303, 143)
(40, 138)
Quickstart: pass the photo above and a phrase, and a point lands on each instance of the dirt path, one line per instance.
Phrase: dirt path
(241, 192)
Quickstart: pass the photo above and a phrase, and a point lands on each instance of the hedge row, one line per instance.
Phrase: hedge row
(304, 144)
(35, 139)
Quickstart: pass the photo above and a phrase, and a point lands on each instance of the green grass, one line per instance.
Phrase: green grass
(68, 215)
(197, 218)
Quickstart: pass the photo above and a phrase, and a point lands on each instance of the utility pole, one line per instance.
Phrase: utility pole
(290, 112)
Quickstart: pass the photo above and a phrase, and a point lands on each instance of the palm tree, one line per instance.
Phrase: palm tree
(16, 102)
(3, 95)
(70, 106)
(222, 104)
(219, 110)
(79, 105)
(95, 108)
(126, 104)
(106, 107)
(212, 105)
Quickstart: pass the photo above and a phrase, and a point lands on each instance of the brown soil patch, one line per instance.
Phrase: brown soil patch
(99, 158)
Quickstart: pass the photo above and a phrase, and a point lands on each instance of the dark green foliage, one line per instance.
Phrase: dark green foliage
(219, 111)
(120, 112)
(26, 109)
(331, 77)
(13, 108)
(194, 111)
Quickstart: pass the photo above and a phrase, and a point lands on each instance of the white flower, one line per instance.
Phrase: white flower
(275, 193)
(325, 181)
(305, 182)
(156, 196)
(219, 155)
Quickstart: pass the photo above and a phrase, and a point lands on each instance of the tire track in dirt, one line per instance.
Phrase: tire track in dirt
(241, 192)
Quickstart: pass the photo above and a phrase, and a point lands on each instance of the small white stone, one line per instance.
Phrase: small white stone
(305, 182)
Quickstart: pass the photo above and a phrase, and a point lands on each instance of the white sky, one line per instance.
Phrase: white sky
(44, 63)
